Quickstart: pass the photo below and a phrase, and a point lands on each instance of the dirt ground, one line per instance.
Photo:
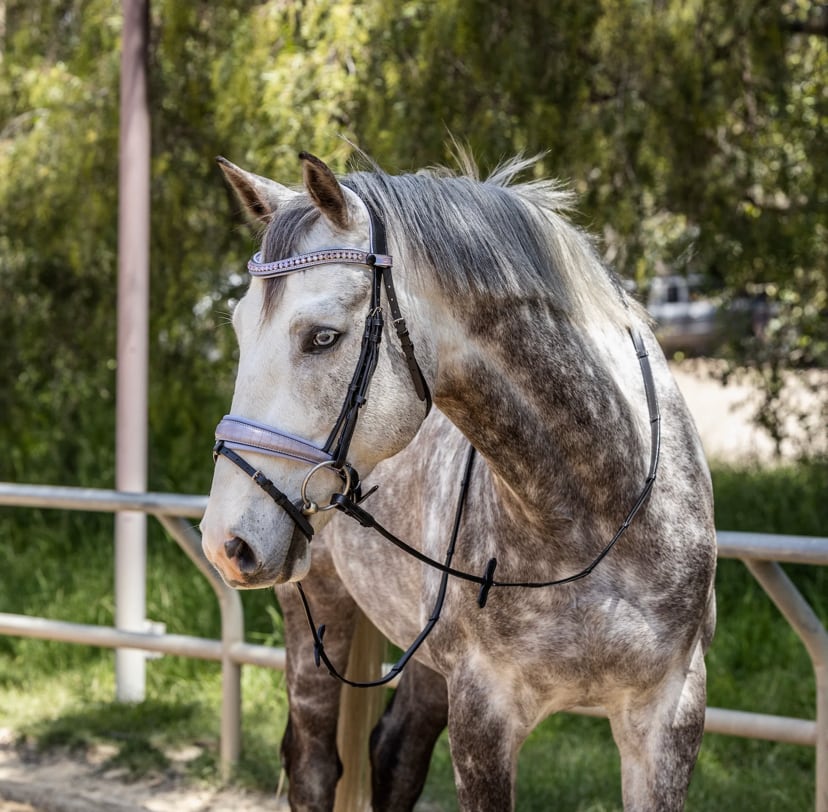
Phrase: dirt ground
(723, 413)
(61, 784)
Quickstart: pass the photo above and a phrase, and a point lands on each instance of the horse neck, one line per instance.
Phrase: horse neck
(553, 408)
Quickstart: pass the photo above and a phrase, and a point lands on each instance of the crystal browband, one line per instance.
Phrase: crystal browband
(349, 256)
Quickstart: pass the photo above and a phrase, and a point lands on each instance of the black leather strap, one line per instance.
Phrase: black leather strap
(319, 632)
(339, 440)
(487, 580)
(417, 377)
(267, 486)
(382, 271)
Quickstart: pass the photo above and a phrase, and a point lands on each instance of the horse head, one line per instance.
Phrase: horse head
(302, 329)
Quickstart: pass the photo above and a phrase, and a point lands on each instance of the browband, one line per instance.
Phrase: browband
(348, 256)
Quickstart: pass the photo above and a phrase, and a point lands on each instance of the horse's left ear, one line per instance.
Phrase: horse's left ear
(261, 197)
(325, 191)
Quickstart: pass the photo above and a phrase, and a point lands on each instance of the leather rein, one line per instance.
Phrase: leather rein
(234, 434)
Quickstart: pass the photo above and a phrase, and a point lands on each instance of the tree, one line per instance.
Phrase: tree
(694, 132)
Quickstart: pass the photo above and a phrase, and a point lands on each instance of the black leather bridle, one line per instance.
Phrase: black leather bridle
(237, 433)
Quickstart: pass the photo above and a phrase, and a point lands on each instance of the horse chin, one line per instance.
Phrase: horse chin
(297, 561)
(294, 567)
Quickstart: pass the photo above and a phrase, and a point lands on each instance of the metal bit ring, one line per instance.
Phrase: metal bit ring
(309, 507)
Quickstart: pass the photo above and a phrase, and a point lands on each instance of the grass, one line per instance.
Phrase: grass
(60, 565)
(53, 695)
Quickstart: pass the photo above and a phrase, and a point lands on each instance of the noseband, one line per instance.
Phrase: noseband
(234, 434)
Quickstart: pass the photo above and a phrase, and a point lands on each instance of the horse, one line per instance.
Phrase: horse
(553, 542)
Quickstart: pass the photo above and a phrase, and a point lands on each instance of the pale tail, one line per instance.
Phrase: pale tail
(359, 710)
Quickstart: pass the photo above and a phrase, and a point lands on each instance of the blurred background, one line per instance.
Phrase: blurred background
(694, 133)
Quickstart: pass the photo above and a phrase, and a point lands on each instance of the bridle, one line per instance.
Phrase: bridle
(234, 434)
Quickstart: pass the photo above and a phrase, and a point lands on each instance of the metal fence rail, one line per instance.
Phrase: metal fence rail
(172, 511)
(761, 553)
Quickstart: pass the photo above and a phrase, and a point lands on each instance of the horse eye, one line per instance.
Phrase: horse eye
(322, 338)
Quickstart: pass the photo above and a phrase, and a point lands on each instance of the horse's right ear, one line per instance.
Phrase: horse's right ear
(260, 196)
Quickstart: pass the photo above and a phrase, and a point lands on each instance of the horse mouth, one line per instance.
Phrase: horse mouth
(298, 558)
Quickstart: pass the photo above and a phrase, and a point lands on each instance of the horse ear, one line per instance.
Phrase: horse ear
(325, 191)
(260, 196)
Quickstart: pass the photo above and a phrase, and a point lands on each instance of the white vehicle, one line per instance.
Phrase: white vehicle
(685, 318)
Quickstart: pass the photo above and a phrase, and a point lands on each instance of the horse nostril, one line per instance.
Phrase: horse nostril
(242, 552)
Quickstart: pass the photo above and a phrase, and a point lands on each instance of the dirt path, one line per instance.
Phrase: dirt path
(60, 782)
(723, 414)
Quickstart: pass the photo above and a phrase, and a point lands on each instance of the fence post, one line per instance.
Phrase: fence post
(133, 343)
(807, 625)
(232, 634)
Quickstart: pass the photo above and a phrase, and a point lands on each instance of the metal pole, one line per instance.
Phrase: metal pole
(807, 625)
(181, 645)
(133, 343)
(232, 635)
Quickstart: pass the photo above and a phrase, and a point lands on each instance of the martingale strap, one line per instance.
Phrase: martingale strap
(318, 633)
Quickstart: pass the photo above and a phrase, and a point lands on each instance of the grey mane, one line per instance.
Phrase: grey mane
(474, 237)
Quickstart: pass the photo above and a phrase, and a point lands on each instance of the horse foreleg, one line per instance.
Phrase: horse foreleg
(404, 738)
(309, 753)
(484, 739)
(659, 737)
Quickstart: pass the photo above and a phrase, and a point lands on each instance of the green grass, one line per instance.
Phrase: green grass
(54, 695)
(60, 565)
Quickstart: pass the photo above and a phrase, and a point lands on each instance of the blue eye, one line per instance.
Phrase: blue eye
(322, 338)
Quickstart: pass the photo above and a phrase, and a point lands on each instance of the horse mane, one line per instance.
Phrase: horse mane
(492, 237)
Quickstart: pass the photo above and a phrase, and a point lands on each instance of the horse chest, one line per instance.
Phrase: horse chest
(554, 648)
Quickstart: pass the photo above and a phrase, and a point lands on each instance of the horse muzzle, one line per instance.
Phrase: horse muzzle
(245, 563)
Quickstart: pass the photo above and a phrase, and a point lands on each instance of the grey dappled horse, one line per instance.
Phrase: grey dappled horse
(574, 576)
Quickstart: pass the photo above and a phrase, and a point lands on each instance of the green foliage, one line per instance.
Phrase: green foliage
(786, 499)
(694, 132)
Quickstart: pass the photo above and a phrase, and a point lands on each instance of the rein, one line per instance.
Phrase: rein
(319, 633)
(235, 434)
(486, 580)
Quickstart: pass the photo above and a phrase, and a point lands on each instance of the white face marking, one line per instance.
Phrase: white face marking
(295, 364)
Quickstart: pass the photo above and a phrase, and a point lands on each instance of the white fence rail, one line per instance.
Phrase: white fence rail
(761, 553)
